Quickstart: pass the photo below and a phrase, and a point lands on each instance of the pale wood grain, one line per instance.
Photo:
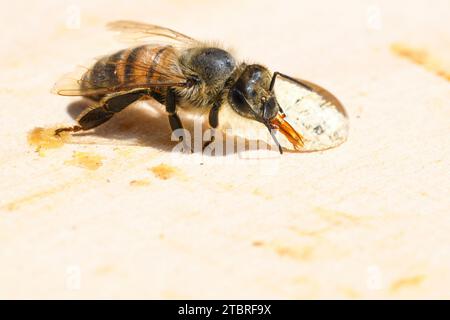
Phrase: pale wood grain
(369, 219)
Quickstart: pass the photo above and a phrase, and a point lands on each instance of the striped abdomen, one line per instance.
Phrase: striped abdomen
(131, 68)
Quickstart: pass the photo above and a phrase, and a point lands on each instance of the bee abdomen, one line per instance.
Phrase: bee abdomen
(127, 68)
(104, 72)
(147, 64)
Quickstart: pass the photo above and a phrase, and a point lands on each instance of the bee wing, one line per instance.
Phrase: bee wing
(79, 83)
(69, 84)
(313, 112)
(137, 32)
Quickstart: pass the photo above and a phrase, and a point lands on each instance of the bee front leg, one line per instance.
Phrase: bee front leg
(174, 119)
(213, 120)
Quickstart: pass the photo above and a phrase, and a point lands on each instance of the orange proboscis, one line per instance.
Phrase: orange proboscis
(286, 129)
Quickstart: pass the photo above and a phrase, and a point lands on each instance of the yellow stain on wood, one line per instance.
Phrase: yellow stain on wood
(257, 243)
(140, 183)
(297, 253)
(164, 171)
(310, 233)
(39, 195)
(104, 270)
(350, 293)
(422, 57)
(258, 192)
(407, 282)
(125, 152)
(172, 295)
(302, 253)
(16, 204)
(226, 186)
(90, 161)
(337, 217)
(45, 138)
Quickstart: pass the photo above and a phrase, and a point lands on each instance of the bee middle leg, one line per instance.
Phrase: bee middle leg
(174, 119)
(105, 110)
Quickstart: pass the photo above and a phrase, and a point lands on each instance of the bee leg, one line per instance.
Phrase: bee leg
(174, 119)
(213, 120)
(107, 107)
(68, 129)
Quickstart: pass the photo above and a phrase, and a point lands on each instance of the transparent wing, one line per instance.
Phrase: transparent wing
(137, 32)
(82, 82)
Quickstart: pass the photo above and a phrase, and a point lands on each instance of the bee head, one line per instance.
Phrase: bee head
(250, 96)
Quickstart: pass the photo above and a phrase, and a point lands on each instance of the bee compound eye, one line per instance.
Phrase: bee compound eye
(270, 109)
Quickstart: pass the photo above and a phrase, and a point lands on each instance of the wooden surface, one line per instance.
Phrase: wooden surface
(115, 215)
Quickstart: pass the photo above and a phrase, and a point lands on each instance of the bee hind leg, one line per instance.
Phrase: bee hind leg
(107, 107)
(68, 129)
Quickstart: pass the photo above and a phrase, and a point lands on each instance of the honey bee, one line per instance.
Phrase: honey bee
(184, 74)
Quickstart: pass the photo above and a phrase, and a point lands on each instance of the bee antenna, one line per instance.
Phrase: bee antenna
(272, 82)
(276, 73)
